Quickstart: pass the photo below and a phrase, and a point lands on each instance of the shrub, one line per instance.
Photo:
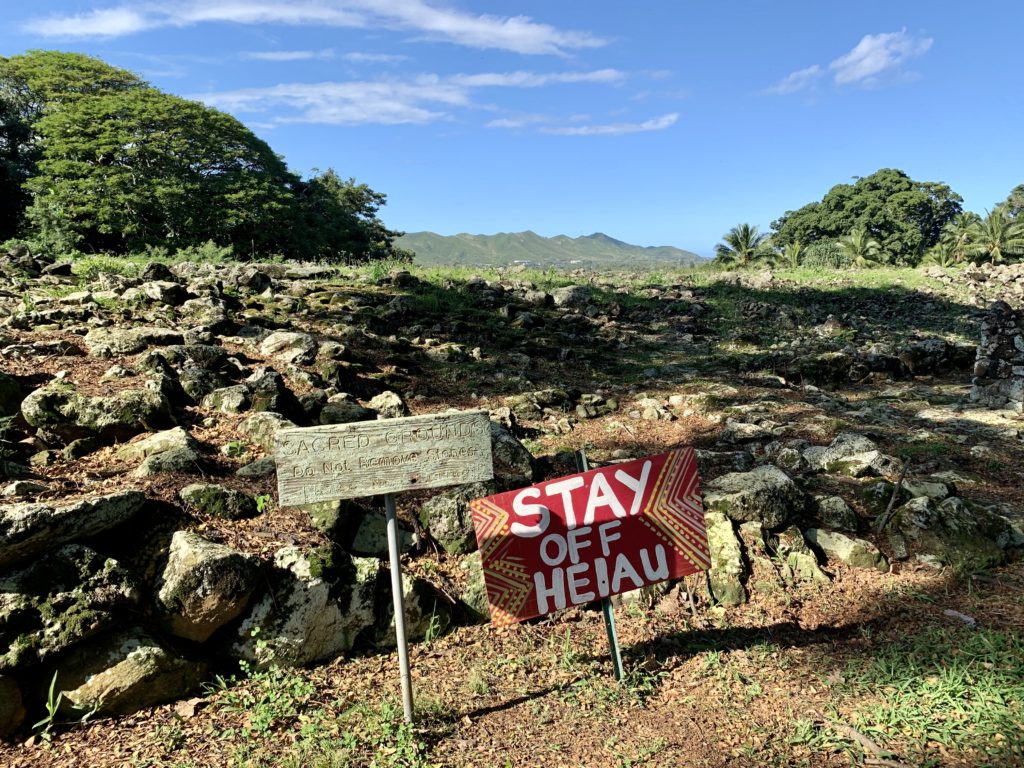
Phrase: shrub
(827, 254)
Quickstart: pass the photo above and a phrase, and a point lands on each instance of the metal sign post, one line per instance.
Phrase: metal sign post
(368, 458)
(582, 465)
(397, 592)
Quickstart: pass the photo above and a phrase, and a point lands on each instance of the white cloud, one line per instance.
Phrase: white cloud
(796, 81)
(535, 80)
(519, 34)
(617, 129)
(422, 99)
(327, 53)
(374, 58)
(876, 54)
(113, 22)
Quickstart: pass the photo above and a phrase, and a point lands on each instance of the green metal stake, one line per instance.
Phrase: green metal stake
(582, 465)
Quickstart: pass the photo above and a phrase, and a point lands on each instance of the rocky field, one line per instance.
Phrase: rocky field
(159, 608)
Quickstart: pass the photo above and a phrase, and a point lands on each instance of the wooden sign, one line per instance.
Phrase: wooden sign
(585, 537)
(366, 458)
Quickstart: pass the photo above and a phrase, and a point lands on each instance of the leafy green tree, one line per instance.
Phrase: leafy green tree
(1014, 205)
(906, 217)
(996, 237)
(29, 85)
(341, 217)
(740, 245)
(124, 170)
(860, 247)
(942, 254)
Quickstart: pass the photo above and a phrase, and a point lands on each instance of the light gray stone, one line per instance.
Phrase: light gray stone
(108, 342)
(219, 501)
(320, 601)
(446, 516)
(61, 410)
(125, 672)
(835, 513)
(204, 585)
(167, 440)
(28, 529)
(765, 494)
(389, 405)
(290, 347)
(725, 578)
(261, 428)
(856, 553)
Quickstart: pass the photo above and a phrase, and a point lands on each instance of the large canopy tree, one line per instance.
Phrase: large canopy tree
(906, 217)
(29, 86)
(105, 162)
(124, 170)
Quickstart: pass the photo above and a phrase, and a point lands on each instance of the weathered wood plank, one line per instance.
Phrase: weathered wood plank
(367, 458)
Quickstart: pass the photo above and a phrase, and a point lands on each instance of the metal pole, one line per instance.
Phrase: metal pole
(396, 592)
(582, 465)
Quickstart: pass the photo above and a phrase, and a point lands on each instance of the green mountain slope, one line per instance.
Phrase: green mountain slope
(592, 251)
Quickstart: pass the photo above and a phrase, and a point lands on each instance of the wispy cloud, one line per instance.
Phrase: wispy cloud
(326, 53)
(616, 129)
(871, 60)
(422, 99)
(374, 58)
(877, 54)
(796, 81)
(519, 34)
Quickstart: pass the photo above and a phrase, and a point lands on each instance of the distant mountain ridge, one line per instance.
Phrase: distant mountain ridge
(506, 248)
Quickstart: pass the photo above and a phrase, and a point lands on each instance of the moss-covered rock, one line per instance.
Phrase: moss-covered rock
(107, 342)
(27, 529)
(167, 440)
(766, 494)
(219, 501)
(204, 585)
(798, 561)
(124, 672)
(856, 553)
(260, 428)
(427, 612)
(725, 578)
(474, 593)
(62, 411)
(951, 532)
(319, 602)
(61, 599)
(12, 712)
(447, 518)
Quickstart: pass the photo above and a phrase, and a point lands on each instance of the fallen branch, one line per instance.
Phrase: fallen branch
(884, 520)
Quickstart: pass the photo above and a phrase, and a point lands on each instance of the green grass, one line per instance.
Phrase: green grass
(963, 690)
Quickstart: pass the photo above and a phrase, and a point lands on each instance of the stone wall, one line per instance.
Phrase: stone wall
(999, 367)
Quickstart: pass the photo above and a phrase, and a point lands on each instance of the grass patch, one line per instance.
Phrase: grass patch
(943, 690)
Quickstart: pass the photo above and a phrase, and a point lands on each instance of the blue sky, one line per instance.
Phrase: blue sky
(661, 122)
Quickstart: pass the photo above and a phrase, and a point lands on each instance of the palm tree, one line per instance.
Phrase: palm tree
(739, 246)
(957, 234)
(942, 254)
(996, 237)
(791, 255)
(861, 248)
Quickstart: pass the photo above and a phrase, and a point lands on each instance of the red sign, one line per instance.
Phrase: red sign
(584, 537)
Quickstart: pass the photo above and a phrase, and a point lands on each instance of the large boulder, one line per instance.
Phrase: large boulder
(11, 395)
(855, 455)
(427, 613)
(12, 713)
(219, 501)
(447, 518)
(107, 342)
(856, 553)
(514, 465)
(725, 578)
(290, 347)
(61, 599)
(766, 494)
(124, 672)
(60, 410)
(261, 428)
(966, 537)
(319, 602)
(204, 585)
(160, 442)
(28, 529)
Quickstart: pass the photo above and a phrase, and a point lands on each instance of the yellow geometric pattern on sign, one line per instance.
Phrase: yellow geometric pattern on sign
(508, 583)
(674, 511)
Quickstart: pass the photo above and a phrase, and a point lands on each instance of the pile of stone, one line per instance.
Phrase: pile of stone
(999, 368)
